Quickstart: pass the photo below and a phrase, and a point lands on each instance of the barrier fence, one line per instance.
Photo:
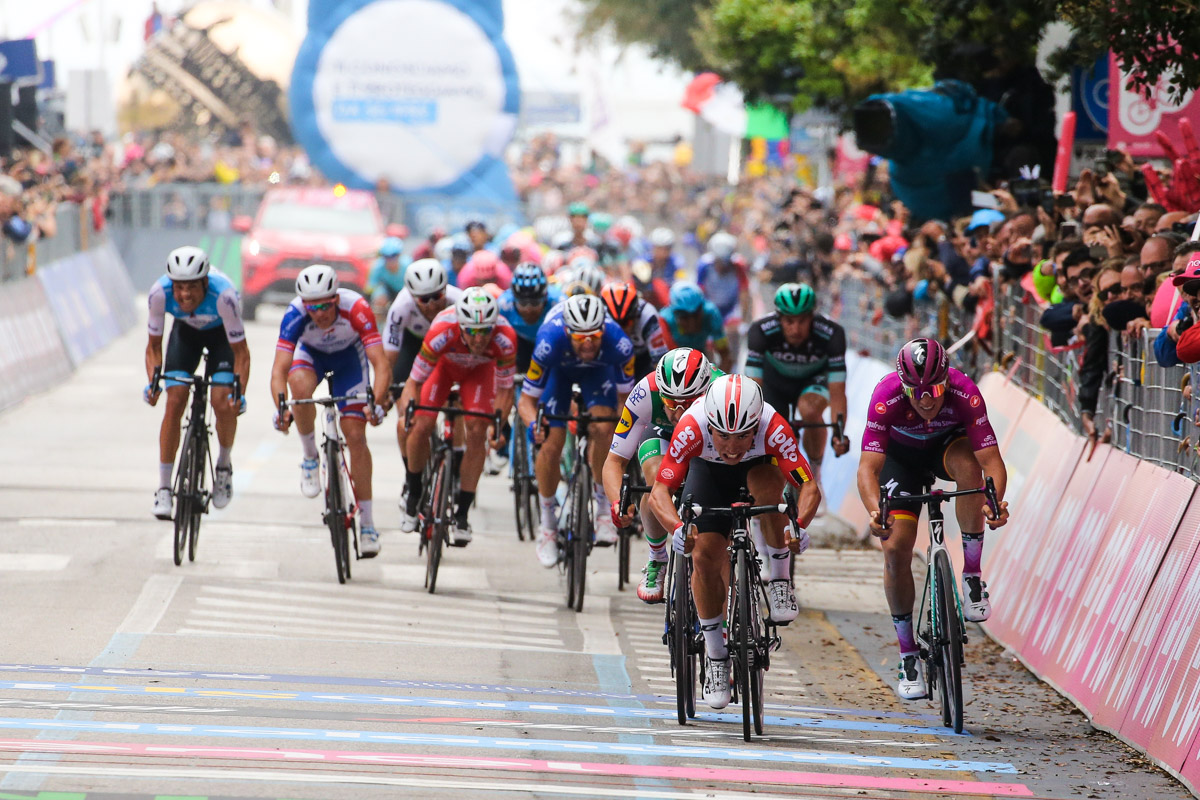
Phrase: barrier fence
(75, 233)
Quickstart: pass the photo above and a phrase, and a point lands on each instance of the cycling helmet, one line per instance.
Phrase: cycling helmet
(511, 252)
(316, 282)
(529, 282)
(443, 248)
(686, 297)
(922, 362)
(584, 252)
(662, 237)
(187, 264)
(733, 404)
(587, 273)
(601, 222)
(552, 261)
(622, 302)
(578, 210)
(574, 288)
(462, 245)
(682, 373)
(722, 245)
(424, 277)
(476, 309)
(583, 314)
(484, 263)
(792, 299)
(391, 247)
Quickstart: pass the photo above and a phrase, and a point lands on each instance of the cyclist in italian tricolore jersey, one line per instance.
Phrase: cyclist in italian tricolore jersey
(927, 421)
(207, 314)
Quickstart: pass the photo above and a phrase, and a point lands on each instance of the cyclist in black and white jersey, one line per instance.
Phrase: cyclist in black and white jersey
(641, 324)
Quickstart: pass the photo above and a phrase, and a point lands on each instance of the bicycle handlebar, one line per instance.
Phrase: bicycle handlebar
(450, 411)
(939, 496)
(838, 425)
(284, 403)
(629, 491)
(194, 380)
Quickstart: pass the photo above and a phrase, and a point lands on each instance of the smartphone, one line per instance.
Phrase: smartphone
(984, 200)
(1069, 229)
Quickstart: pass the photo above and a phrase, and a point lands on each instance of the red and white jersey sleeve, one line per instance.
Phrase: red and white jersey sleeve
(360, 316)
(687, 442)
(504, 350)
(442, 335)
(780, 443)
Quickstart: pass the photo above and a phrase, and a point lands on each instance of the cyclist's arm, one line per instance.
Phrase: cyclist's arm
(241, 362)
(837, 401)
(289, 334)
(229, 309)
(383, 372)
(782, 445)
(756, 346)
(506, 366)
(870, 465)
(279, 374)
(614, 472)
(687, 441)
(993, 467)
(154, 355)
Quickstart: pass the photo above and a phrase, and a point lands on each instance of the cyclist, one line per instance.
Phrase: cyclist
(641, 324)
(331, 329)
(692, 321)
(386, 280)
(525, 305)
(208, 315)
(580, 235)
(927, 420)
(426, 293)
(799, 359)
(664, 264)
(577, 344)
(650, 414)
(730, 440)
(484, 267)
(471, 345)
(724, 277)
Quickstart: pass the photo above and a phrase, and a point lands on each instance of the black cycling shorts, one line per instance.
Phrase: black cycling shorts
(784, 396)
(186, 346)
(712, 484)
(524, 354)
(912, 470)
(410, 346)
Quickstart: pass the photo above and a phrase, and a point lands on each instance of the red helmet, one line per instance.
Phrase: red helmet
(622, 301)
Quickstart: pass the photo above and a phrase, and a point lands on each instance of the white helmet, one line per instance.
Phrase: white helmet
(722, 244)
(583, 313)
(733, 404)
(476, 309)
(317, 281)
(683, 373)
(441, 250)
(585, 271)
(424, 277)
(187, 264)
(662, 237)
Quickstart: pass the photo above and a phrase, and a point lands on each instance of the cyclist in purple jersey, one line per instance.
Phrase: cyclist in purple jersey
(927, 421)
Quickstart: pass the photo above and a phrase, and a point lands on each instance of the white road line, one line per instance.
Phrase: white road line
(245, 631)
(66, 522)
(151, 604)
(595, 623)
(33, 562)
(389, 597)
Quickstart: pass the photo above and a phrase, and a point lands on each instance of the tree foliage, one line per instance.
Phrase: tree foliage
(667, 27)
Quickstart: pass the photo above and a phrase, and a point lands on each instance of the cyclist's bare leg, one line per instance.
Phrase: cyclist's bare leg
(226, 417)
(766, 483)
(418, 441)
(168, 434)
(967, 474)
(402, 434)
(302, 383)
(652, 529)
(472, 463)
(600, 438)
(898, 584)
(549, 461)
(811, 407)
(355, 432)
(710, 574)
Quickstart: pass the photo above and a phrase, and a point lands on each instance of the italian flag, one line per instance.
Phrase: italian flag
(720, 104)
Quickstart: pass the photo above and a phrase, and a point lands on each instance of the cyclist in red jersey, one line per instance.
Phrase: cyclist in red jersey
(927, 421)
(728, 440)
(471, 345)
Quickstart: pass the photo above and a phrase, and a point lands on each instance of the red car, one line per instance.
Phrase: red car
(299, 226)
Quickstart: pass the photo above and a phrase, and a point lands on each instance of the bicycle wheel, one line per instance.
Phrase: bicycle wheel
(743, 643)
(583, 536)
(684, 660)
(347, 495)
(519, 487)
(623, 547)
(335, 517)
(439, 509)
(197, 506)
(949, 643)
(183, 499)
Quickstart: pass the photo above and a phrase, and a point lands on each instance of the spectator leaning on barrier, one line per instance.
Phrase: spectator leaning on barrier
(1165, 346)
(1163, 256)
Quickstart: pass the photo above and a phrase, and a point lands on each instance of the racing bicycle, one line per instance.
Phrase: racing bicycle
(633, 485)
(524, 482)
(941, 631)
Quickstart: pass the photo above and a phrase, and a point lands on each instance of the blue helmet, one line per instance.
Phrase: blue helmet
(686, 297)
(462, 245)
(529, 282)
(392, 246)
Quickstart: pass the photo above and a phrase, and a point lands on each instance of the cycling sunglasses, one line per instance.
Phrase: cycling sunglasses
(431, 298)
(315, 307)
(593, 336)
(479, 331)
(933, 390)
(672, 404)
(530, 302)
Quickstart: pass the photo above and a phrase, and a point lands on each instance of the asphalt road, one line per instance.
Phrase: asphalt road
(252, 673)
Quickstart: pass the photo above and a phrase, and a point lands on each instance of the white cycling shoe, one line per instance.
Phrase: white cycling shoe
(976, 605)
(460, 535)
(717, 691)
(547, 548)
(782, 600)
(606, 532)
(368, 543)
(162, 504)
(310, 477)
(222, 487)
(409, 522)
(911, 680)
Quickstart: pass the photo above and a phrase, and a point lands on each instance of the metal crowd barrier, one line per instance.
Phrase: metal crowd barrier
(75, 234)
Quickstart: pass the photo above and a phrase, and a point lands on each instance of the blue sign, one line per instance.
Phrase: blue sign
(1089, 100)
(48, 77)
(422, 94)
(19, 62)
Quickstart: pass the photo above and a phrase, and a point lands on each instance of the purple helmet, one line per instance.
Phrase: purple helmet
(922, 362)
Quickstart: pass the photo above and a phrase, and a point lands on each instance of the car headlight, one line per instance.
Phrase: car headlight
(253, 248)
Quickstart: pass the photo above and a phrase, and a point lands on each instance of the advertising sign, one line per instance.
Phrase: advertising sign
(1133, 119)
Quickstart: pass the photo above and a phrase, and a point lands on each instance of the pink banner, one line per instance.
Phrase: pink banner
(1133, 119)
(1005, 402)
(1163, 711)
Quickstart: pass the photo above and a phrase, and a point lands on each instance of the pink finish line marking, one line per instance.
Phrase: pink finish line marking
(777, 777)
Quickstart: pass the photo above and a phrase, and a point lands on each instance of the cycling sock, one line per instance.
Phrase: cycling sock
(549, 506)
(366, 517)
(714, 637)
(756, 535)
(223, 454)
(164, 474)
(412, 501)
(463, 505)
(972, 552)
(904, 634)
(309, 442)
(778, 563)
(658, 548)
(600, 497)
(456, 462)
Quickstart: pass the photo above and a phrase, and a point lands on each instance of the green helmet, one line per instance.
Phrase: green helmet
(601, 222)
(793, 299)
(578, 209)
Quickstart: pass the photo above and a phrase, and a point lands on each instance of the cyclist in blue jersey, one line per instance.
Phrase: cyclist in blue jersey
(526, 304)
(577, 344)
(692, 321)
(724, 277)
(208, 315)
(386, 280)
